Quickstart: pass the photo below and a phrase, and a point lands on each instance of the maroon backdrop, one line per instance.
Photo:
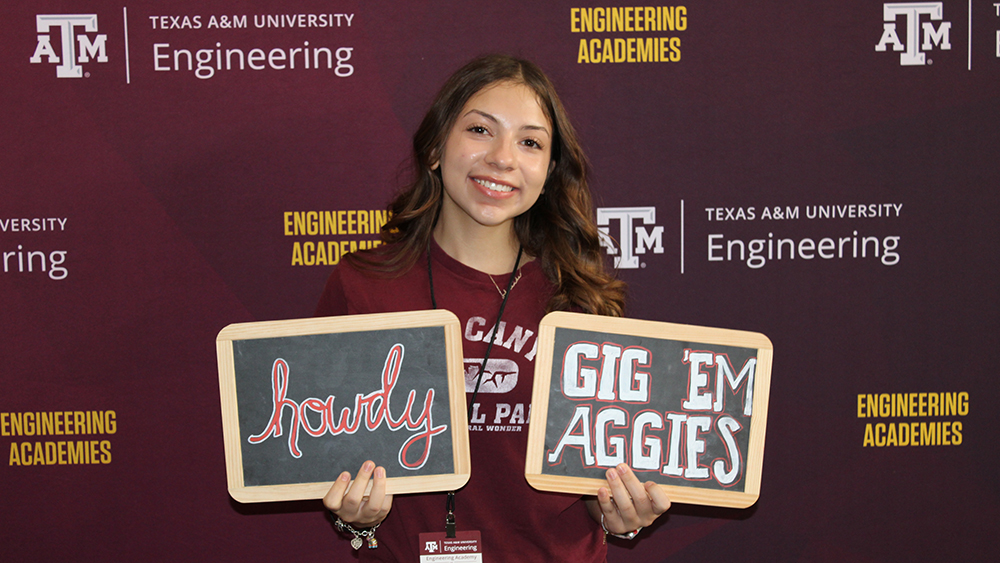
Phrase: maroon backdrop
(145, 205)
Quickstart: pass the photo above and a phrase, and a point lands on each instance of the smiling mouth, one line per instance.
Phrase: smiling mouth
(493, 185)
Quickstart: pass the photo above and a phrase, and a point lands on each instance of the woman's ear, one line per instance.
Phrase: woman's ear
(435, 165)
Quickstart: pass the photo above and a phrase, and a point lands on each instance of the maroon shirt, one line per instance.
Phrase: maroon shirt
(517, 523)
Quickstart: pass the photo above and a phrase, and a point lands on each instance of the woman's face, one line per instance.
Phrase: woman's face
(496, 158)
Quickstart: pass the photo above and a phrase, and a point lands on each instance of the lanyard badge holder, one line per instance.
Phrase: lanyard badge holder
(452, 542)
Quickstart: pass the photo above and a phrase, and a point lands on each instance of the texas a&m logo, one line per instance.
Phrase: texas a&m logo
(634, 238)
(921, 34)
(76, 47)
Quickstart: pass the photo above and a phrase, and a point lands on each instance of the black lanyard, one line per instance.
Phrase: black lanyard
(450, 503)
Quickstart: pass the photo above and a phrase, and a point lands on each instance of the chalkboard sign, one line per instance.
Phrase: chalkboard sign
(304, 400)
(684, 406)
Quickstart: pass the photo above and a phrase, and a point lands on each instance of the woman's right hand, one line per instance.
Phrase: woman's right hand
(352, 505)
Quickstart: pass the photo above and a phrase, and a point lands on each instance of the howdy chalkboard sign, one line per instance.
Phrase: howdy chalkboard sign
(304, 400)
(683, 406)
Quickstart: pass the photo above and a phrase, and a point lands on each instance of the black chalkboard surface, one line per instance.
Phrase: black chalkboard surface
(304, 400)
(683, 406)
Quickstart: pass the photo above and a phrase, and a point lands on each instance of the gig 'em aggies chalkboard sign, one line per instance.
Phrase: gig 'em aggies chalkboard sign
(304, 400)
(684, 406)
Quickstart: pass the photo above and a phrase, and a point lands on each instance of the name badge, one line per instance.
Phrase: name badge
(465, 547)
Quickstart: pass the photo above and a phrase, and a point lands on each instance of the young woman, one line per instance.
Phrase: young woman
(497, 223)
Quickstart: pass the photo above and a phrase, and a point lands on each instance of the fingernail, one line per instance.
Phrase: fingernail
(368, 466)
(622, 469)
(380, 472)
(345, 476)
(612, 474)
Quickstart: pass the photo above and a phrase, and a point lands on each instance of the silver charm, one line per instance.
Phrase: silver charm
(357, 541)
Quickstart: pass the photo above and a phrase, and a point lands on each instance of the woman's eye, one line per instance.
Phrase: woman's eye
(478, 129)
(532, 143)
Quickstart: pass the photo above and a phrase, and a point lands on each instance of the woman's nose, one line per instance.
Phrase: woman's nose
(501, 155)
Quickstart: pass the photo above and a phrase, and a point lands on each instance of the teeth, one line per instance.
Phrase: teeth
(494, 186)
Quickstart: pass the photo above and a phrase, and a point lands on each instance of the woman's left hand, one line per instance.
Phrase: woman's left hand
(627, 504)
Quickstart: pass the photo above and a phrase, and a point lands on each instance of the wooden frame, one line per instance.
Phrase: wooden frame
(664, 331)
(457, 416)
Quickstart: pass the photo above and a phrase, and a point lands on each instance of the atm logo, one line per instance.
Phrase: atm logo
(921, 34)
(76, 47)
(637, 234)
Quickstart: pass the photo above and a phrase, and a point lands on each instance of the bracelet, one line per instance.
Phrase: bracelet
(367, 533)
(627, 536)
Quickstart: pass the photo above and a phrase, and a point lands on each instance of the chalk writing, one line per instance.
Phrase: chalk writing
(671, 442)
(373, 409)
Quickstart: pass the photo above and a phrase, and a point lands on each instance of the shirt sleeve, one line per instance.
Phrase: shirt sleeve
(333, 301)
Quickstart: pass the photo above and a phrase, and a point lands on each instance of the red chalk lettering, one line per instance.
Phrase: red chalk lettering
(373, 409)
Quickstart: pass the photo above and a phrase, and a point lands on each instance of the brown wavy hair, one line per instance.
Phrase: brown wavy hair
(558, 230)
